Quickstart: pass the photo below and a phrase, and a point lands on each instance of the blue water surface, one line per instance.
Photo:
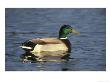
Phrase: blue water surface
(88, 49)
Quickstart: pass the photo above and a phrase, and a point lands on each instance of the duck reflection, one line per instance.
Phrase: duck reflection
(26, 57)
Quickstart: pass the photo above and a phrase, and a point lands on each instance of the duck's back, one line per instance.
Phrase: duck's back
(46, 41)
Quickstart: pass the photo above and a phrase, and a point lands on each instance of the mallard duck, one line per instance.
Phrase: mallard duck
(60, 44)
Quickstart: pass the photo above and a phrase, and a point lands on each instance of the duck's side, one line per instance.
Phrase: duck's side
(46, 44)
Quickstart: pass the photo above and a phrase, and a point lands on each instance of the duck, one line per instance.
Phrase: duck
(52, 45)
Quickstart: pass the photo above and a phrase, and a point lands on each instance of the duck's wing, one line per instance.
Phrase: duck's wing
(46, 41)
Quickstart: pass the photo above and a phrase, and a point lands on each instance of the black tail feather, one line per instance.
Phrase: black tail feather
(28, 44)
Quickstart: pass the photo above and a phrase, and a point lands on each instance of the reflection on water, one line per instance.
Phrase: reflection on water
(88, 49)
(29, 57)
(49, 61)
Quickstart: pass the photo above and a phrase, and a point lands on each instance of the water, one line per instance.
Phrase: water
(88, 49)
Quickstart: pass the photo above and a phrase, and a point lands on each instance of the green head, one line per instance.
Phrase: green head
(65, 30)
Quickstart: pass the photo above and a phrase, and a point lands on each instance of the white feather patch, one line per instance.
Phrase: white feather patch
(26, 47)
